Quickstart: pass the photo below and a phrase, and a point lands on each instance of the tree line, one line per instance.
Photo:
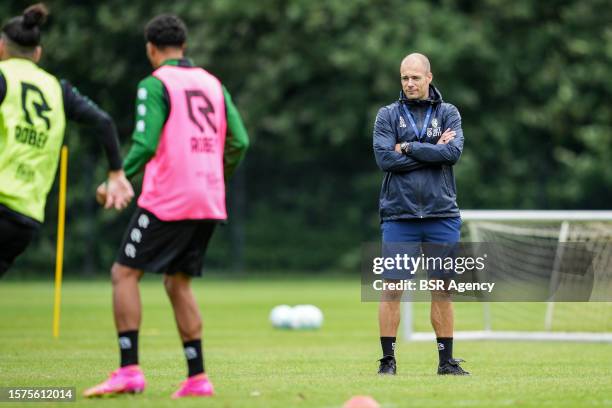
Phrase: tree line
(532, 80)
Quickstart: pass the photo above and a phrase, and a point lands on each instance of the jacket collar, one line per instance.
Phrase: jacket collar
(435, 97)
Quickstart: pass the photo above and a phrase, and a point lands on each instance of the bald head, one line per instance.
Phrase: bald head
(415, 74)
(417, 60)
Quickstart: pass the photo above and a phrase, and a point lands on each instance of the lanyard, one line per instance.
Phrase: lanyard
(414, 127)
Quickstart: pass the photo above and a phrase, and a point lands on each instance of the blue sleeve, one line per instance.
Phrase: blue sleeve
(387, 158)
(442, 153)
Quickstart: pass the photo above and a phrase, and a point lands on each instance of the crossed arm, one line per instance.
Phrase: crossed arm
(423, 154)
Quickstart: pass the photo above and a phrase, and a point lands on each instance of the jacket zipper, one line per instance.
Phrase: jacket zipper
(420, 214)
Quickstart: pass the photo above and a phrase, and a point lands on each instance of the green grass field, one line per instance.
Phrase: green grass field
(253, 365)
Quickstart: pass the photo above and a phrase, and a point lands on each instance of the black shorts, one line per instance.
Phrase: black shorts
(166, 247)
(14, 239)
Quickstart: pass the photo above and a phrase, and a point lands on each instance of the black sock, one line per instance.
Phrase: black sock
(445, 348)
(128, 346)
(388, 346)
(193, 354)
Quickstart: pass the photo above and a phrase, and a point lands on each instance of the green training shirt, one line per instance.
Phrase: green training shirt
(152, 110)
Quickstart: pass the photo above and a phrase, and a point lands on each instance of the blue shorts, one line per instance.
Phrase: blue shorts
(405, 237)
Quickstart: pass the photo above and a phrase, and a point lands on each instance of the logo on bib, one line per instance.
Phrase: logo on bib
(206, 110)
(33, 103)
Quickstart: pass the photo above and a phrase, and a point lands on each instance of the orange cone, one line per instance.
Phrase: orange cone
(361, 401)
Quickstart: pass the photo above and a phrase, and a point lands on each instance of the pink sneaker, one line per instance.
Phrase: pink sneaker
(128, 379)
(196, 386)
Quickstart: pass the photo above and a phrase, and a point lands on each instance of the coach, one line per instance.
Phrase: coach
(417, 141)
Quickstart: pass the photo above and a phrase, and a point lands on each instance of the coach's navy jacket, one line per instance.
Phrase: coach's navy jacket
(421, 184)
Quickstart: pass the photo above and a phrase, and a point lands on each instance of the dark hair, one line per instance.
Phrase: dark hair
(166, 30)
(24, 30)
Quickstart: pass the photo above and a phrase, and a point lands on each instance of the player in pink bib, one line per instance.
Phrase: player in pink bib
(188, 138)
(184, 180)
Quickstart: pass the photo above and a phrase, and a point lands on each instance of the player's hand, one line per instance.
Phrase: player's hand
(447, 136)
(101, 194)
(119, 191)
(398, 148)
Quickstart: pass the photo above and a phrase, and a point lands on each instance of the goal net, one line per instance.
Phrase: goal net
(526, 239)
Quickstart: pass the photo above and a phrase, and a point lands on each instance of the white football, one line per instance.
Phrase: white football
(306, 317)
(298, 317)
(316, 317)
(281, 316)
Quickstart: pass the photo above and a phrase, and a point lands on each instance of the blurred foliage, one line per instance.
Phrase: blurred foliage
(532, 80)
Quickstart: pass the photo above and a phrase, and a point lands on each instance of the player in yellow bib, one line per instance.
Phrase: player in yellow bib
(34, 106)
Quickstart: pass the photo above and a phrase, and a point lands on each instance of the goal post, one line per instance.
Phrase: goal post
(583, 322)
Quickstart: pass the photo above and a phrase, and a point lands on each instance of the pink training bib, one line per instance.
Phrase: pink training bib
(185, 180)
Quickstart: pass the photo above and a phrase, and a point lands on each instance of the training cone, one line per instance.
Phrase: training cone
(361, 401)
